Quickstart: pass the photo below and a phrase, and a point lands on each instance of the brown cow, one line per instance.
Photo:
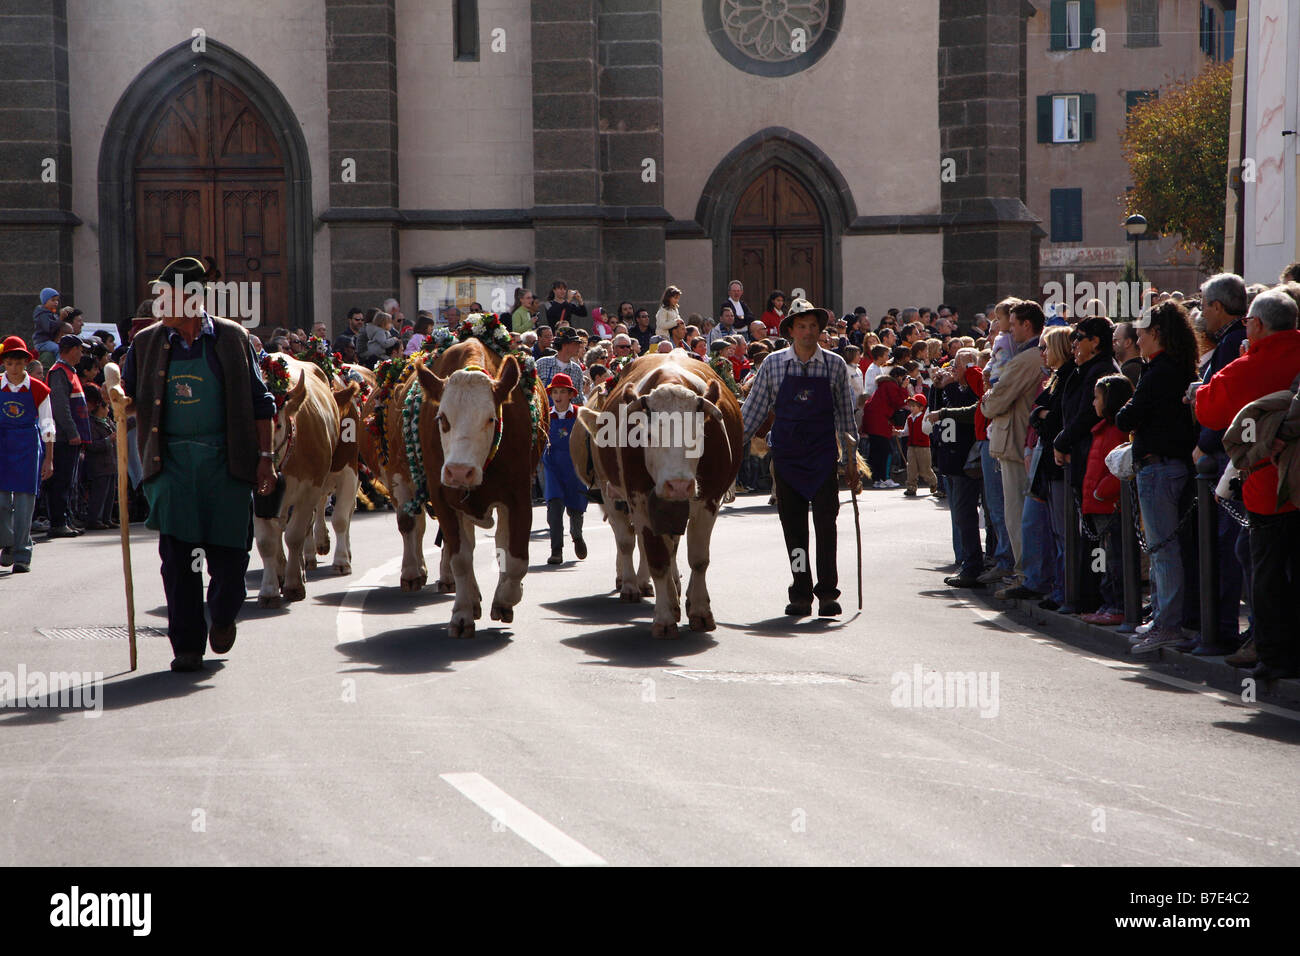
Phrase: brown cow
(344, 478)
(669, 440)
(306, 438)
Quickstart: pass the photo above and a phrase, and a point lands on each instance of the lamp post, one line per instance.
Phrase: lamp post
(1135, 226)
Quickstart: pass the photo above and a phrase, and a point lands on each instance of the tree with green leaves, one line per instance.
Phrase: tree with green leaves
(1176, 146)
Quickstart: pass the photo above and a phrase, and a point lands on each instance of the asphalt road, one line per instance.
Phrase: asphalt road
(350, 729)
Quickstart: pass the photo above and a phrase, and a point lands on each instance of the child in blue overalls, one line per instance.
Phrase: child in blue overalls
(564, 492)
(26, 452)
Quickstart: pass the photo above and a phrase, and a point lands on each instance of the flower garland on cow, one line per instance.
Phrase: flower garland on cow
(489, 330)
(387, 374)
(318, 353)
(276, 376)
(616, 369)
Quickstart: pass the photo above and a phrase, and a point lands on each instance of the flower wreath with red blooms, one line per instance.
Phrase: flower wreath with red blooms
(387, 374)
(276, 376)
(316, 351)
(616, 370)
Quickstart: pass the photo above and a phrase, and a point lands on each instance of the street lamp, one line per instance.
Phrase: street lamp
(1135, 226)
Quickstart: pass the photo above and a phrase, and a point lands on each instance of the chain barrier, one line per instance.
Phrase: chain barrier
(1137, 525)
(1084, 524)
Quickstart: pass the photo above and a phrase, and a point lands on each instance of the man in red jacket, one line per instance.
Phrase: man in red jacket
(1270, 365)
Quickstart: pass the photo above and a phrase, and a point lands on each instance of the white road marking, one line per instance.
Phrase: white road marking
(994, 617)
(348, 620)
(556, 844)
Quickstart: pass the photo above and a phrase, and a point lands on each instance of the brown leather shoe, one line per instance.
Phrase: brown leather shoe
(1243, 656)
(221, 637)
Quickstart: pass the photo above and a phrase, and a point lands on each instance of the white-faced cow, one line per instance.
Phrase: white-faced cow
(668, 440)
(306, 441)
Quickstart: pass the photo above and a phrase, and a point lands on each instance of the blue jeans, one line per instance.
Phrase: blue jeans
(1056, 521)
(1004, 556)
(1160, 492)
(16, 509)
(1039, 547)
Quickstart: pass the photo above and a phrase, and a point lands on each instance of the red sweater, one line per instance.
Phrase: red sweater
(881, 406)
(916, 438)
(1269, 366)
(975, 379)
(1100, 487)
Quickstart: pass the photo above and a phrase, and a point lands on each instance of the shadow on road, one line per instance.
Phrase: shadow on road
(630, 645)
(132, 691)
(785, 626)
(391, 600)
(1264, 725)
(422, 649)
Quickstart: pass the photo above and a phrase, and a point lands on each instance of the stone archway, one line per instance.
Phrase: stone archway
(203, 154)
(819, 208)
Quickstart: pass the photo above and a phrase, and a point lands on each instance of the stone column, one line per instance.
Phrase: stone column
(988, 235)
(36, 219)
(361, 76)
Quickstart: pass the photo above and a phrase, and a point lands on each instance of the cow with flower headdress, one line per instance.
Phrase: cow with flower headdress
(461, 431)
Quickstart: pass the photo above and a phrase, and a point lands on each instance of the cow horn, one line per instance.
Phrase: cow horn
(706, 406)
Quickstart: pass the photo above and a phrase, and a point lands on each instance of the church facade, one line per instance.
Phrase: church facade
(338, 152)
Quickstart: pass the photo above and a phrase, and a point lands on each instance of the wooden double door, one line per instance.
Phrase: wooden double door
(778, 239)
(210, 180)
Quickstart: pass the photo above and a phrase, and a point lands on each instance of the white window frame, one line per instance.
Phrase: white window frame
(1064, 108)
(1073, 24)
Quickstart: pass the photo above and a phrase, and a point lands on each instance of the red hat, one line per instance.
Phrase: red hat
(560, 380)
(14, 345)
(919, 399)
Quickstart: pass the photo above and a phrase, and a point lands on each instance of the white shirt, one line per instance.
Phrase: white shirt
(869, 378)
(856, 382)
(44, 411)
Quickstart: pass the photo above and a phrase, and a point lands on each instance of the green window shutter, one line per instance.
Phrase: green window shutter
(1044, 119)
(1066, 215)
(1087, 23)
(1058, 25)
(1087, 117)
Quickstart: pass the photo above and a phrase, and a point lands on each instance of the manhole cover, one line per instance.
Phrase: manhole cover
(96, 633)
(762, 677)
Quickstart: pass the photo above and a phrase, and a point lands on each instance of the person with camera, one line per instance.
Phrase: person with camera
(564, 304)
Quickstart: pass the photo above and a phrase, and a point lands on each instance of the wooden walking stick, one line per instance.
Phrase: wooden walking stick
(112, 379)
(857, 529)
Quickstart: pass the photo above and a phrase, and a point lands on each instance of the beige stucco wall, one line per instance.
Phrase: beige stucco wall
(110, 43)
(885, 146)
(1099, 168)
(465, 137)
(688, 263)
(437, 247)
(887, 271)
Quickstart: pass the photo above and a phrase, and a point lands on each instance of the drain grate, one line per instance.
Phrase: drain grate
(759, 677)
(112, 633)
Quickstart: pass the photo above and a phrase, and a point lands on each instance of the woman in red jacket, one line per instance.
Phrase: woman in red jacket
(1101, 494)
(878, 424)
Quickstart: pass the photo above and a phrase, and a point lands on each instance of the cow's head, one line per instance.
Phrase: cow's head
(468, 405)
(293, 400)
(675, 421)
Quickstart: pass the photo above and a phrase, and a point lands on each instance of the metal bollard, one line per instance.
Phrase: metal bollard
(1207, 527)
(1071, 545)
(1130, 558)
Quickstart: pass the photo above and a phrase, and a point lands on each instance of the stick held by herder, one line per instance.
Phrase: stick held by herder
(113, 379)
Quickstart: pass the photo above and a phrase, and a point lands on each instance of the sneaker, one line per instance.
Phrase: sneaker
(1105, 618)
(1047, 604)
(1243, 656)
(40, 525)
(964, 581)
(1145, 628)
(877, 484)
(1155, 639)
(1017, 592)
(995, 575)
(1189, 643)
(64, 532)
(890, 484)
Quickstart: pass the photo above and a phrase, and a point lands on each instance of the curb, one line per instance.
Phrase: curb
(1212, 671)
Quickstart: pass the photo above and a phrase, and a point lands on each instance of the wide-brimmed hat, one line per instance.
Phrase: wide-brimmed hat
(566, 335)
(188, 269)
(14, 345)
(800, 307)
(561, 380)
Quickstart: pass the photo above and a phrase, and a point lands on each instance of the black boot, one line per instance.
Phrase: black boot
(575, 528)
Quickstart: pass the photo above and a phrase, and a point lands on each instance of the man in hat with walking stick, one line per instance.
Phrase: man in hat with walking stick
(204, 427)
(806, 389)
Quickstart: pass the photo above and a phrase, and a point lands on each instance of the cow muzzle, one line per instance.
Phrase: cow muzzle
(466, 477)
(676, 489)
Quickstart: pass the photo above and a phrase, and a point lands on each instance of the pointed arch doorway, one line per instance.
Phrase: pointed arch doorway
(203, 155)
(778, 238)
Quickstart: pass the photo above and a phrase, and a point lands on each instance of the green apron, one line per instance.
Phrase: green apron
(194, 498)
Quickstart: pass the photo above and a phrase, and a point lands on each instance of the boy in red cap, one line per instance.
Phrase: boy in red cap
(918, 446)
(26, 451)
(563, 489)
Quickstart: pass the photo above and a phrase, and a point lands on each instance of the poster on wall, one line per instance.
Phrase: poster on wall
(495, 293)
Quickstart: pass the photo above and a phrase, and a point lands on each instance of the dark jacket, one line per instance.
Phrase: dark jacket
(1132, 370)
(559, 310)
(1160, 422)
(1078, 415)
(247, 397)
(742, 321)
(642, 335)
(1210, 440)
(1045, 418)
(45, 326)
(101, 453)
(950, 456)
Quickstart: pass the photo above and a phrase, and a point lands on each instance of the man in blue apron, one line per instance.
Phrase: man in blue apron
(564, 492)
(204, 433)
(807, 392)
(27, 432)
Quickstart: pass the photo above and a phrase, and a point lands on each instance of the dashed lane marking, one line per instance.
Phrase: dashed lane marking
(556, 844)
